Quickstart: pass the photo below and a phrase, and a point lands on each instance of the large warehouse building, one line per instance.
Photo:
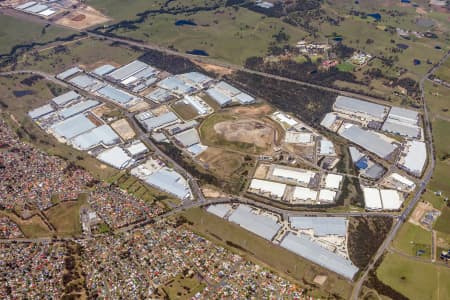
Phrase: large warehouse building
(414, 157)
(369, 140)
(360, 108)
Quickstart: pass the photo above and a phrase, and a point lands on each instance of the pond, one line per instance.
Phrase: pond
(402, 46)
(376, 16)
(22, 93)
(198, 52)
(185, 22)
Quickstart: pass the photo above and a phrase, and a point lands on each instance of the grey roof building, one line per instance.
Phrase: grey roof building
(77, 108)
(128, 70)
(170, 182)
(262, 225)
(303, 246)
(160, 121)
(360, 107)
(69, 72)
(322, 226)
(188, 138)
(368, 140)
(65, 98)
(40, 111)
(72, 127)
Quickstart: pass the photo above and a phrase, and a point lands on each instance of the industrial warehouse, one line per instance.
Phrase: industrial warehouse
(294, 185)
(320, 240)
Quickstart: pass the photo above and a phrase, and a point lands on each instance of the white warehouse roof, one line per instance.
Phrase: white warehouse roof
(101, 135)
(415, 157)
(327, 195)
(391, 199)
(73, 126)
(299, 175)
(302, 193)
(372, 198)
(273, 188)
(116, 157)
(40, 111)
(333, 181)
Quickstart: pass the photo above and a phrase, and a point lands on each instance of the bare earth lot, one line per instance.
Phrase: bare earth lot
(83, 18)
(247, 131)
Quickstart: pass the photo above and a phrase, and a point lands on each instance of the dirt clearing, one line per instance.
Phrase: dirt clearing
(82, 18)
(123, 128)
(249, 131)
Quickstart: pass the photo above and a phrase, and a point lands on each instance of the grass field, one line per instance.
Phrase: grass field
(121, 10)
(437, 201)
(412, 238)
(441, 175)
(254, 247)
(443, 72)
(85, 52)
(355, 32)
(183, 287)
(437, 100)
(185, 111)
(415, 280)
(225, 34)
(65, 217)
(17, 32)
(31, 228)
(443, 222)
(345, 67)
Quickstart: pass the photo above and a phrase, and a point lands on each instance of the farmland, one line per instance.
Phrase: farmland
(412, 238)
(16, 32)
(431, 282)
(85, 52)
(225, 34)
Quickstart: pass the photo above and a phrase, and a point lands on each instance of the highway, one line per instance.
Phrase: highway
(425, 180)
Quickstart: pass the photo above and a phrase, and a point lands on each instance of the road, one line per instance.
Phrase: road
(233, 67)
(426, 179)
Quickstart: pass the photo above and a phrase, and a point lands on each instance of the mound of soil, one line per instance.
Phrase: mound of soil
(79, 18)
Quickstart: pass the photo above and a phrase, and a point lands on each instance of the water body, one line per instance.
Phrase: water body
(22, 93)
(402, 46)
(338, 39)
(198, 52)
(417, 62)
(185, 23)
(376, 16)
